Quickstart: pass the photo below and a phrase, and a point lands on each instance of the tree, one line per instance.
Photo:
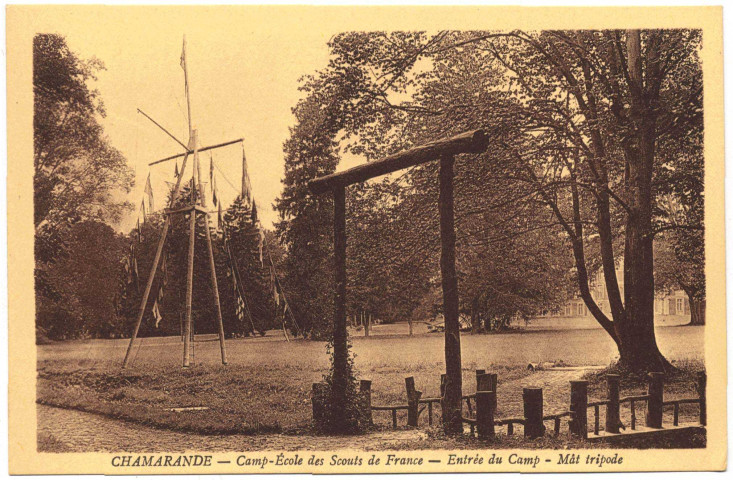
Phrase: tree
(78, 176)
(587, 122)
(305, 220)
(77, 172)
(85, 285)
(249, 253)
(243, 238)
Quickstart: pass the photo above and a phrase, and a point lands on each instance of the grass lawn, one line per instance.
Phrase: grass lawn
(266, 386)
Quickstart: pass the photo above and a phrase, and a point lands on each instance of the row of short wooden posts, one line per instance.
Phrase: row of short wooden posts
(534, 418)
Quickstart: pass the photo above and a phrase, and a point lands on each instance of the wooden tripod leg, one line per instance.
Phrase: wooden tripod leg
(215, 284)
(149, 285)
(189, 291)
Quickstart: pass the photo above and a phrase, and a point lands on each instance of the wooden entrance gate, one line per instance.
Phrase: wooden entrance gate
(475, 141)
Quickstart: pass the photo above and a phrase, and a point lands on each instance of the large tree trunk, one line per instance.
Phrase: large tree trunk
(635, 329)
(697, 309)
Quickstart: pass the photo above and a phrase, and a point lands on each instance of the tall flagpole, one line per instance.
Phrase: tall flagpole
(196, 185)
(184, 65)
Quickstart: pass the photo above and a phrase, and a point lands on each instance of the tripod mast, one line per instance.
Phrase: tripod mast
(193, 209)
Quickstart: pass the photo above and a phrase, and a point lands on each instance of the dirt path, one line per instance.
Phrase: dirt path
(63, 430)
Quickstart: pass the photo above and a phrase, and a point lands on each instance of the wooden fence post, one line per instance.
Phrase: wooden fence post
(365, 388)
(413, 402)
(478, 373)
(442, 391)
(318, 395)
(485, 402)
(702, 380)
(579, 408)
(613, 413)
(656, 399)
(487, 382)
(483, 382)
(534, 427)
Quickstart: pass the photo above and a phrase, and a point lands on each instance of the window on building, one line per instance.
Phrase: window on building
(680, 306)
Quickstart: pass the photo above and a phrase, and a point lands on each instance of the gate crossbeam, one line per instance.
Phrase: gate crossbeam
(475, 141)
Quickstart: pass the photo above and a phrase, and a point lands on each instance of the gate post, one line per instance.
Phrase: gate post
(485, 402)
(340, 347)
(365, 388)
(702, 381)
(413, 402)
(613, 413)
(452, 401)
(479, 372)
(534, 426)
(579, 408)
(318, 395)
(656, 400)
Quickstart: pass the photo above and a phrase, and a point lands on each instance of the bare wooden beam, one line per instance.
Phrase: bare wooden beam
(452, 422)
(210, 147)
(475, 141)
(340, 336)
(162, 128)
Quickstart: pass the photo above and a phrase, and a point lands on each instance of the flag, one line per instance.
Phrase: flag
(213, 191)
(133, 269)
(183, 54)
(261, 242)
(164, 269)
(149, 191)
(128, 269)
(156, 314)
(245, 178)
(175, 172)
(134, 266)
(211, 170)
(254, 212)
(220, 221)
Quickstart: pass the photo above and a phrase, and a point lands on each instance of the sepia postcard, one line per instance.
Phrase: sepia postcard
(322, 239)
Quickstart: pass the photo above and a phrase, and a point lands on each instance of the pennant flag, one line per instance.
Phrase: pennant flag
(142, 207)
(149, 191)
(254, 212)
(176, 173)
(245, 177)
(183, 54)
(213, 191)
(156, 314)
(134, 267)
(261, 242)
(164, 271)
(220, 221)
(128, 269)
(211, 169)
